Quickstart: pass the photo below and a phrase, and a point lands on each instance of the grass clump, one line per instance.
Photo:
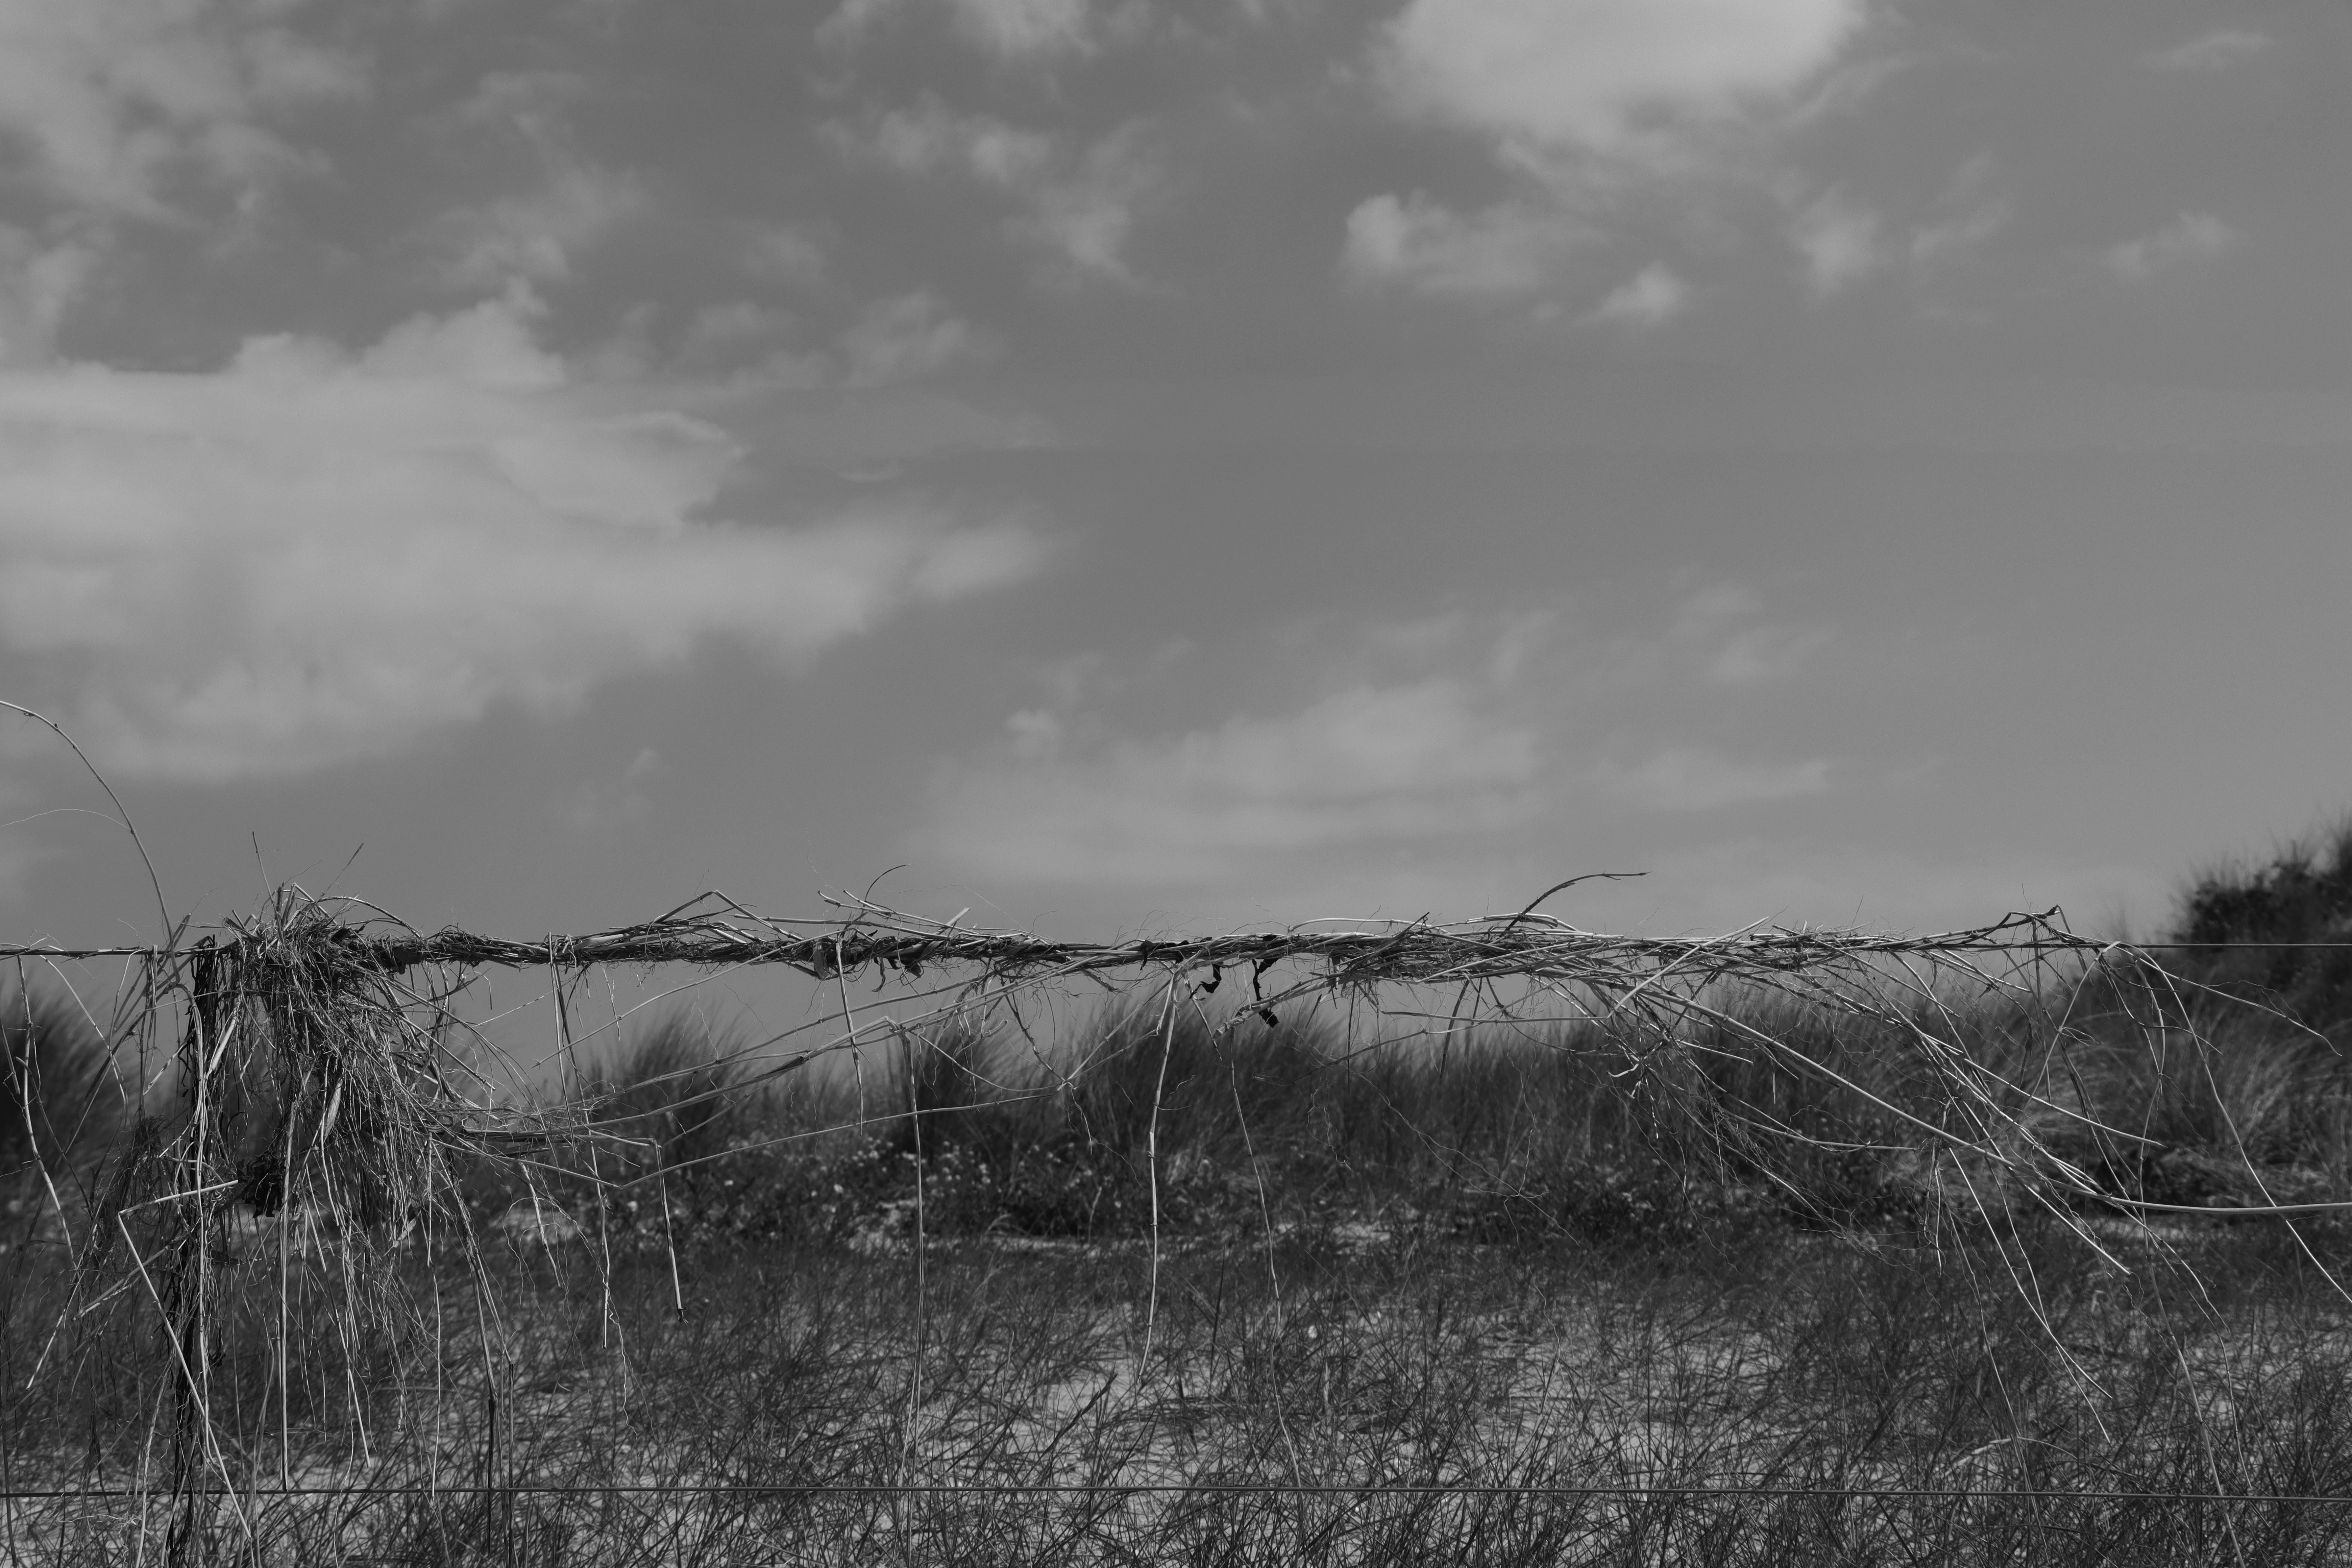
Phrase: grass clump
(60, 1098)
(2280, 931)
(671, 1099)
(1526, 1136)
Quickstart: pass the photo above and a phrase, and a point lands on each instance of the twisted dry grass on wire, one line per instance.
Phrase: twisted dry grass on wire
(866, 935)
(328, 980)
(325, 1000)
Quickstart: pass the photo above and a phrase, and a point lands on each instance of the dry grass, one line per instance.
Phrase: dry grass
(1810, 1382)
(1849, 1226)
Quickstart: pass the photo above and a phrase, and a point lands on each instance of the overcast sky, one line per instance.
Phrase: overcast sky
(1143, 465)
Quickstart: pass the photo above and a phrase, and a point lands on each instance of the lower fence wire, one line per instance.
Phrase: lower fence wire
(1212, 1489)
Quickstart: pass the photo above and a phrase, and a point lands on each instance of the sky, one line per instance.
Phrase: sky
(1115, 467)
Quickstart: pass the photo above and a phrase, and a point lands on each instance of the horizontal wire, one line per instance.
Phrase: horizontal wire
(1192, 951)
(1180, 1488)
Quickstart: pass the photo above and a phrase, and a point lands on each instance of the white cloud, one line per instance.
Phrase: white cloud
(1088, 215)
(744, 343)
(1367, 765)
(1590, 104)
(597, 806)
(1724, 885)
(530, 104)
(1762, 653)
(1588, 74)
(1652, 296)
(1009, 29)
(906, 338)
(1840, 241)
(533, 234)
(787, 254)
(1965, 215)
(729, 331)
(1937, 244)
(1699, 778)
(1420, 244)
(1718, 633)
(2191, 237)
(1079, 204)
(1018, 29)
(311, 556)
(739, 341)
(536, 237)
(39, 284)
(1428, 762)
(2217, 50)
(488, 348)
(928, 138)
(114, 96)
(850, 22)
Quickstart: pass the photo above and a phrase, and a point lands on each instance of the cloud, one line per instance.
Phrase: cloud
(724, 332)
(1088, 215)
(595, 806)
(2217, 50)
(39, 284)
(1726, 884)
(1366, 766)
(1938, 244)
(1699, 778)
(1589, 104)
(536, 237)
(1718, 633)
(1009, 29)
(113, 96)
(1079, 205)
(786, 255)
(311, 556)
(1594, 74)
(735, 342)
(1840, 241)
(744, 344)
(1420, 244)
(1020, 30)
(851, 21)
(1652, 296)
(1420, 763)
(528, 104)
(2190, 237)
(928, 138)
(906, 338)
(1965, 215)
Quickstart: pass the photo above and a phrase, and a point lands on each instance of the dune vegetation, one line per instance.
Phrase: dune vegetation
(1131, 1281)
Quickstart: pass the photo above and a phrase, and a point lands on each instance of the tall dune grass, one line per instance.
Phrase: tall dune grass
(1709, 1217)
(2280, 930)
(60, 1094)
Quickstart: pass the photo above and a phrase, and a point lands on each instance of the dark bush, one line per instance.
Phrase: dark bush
(59, 1102)
(2302, 897)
